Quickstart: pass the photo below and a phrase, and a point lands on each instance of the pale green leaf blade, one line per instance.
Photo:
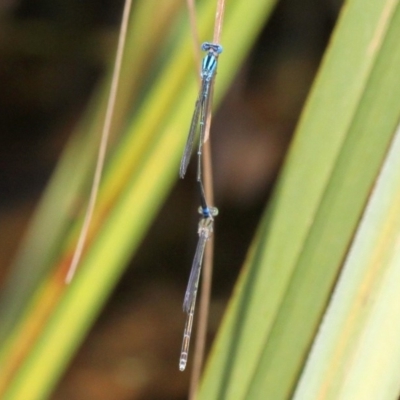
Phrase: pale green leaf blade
(356, 354)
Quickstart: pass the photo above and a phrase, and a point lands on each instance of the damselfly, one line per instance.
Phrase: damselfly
(205, 230)
(208, 71)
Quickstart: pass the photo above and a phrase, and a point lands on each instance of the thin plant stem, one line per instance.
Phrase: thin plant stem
(219, 18)
(201, 330)
(204, 306)
(105, 134)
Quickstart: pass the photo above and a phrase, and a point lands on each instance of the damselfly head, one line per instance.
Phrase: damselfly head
(208, 212)
(212, 47)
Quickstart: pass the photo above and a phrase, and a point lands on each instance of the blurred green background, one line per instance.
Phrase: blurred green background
(53, 56)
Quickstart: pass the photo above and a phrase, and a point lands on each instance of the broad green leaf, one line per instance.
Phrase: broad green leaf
(356, 354)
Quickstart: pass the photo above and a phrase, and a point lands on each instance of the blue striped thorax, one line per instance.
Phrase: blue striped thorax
(209, 64)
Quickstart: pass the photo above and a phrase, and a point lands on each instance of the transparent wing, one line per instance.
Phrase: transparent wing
(205, 105)
(192, 132)
(193, 284)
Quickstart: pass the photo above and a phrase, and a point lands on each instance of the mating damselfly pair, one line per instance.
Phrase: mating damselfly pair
(206, 223)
